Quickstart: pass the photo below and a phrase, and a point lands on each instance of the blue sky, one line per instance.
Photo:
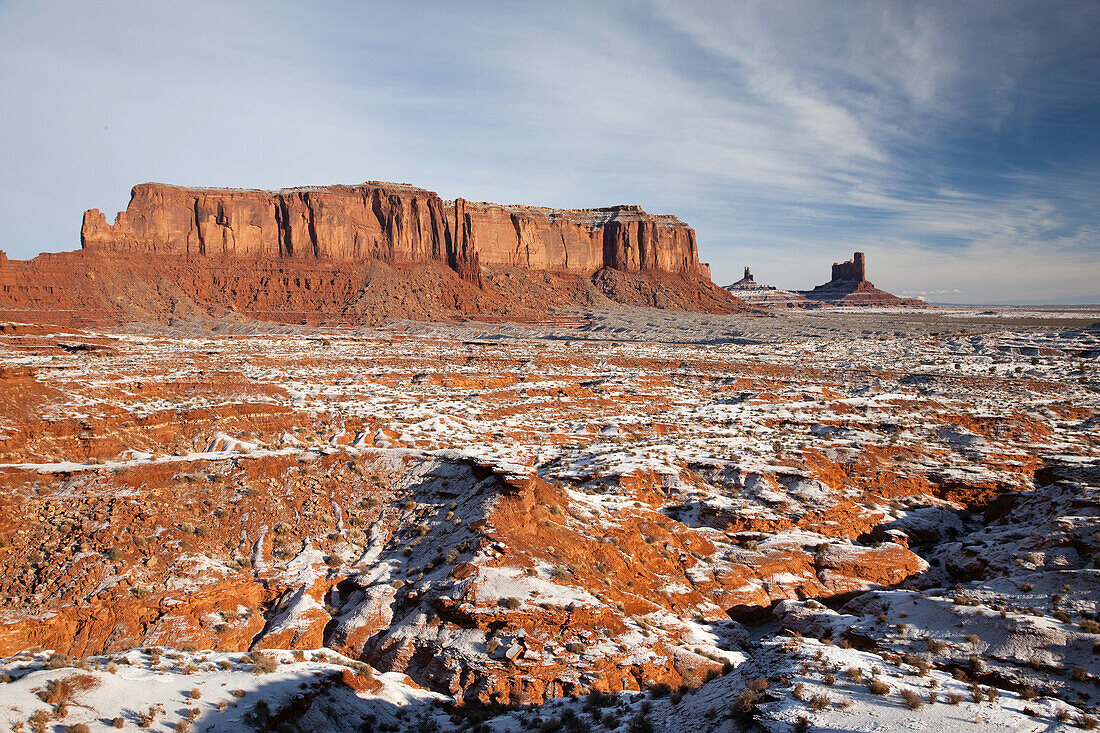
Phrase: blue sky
(957, 144)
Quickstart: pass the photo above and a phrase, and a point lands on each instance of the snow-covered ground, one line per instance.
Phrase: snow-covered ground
(771, 512)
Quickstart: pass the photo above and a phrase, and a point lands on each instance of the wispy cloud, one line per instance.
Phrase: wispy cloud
(951, 141)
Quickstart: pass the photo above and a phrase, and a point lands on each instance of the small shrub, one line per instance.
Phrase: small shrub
(954, 698)
(263, 663)
(745, 701)
(912, 699)
(512, 603)
(854, 673)
(57, 692)
(146, 719)
(57, 661)
(661, 689)
(118, 722)
(936, 646)
(194, 694)
(819, 702)
(39, 720)
(878, 687)
(78, 728)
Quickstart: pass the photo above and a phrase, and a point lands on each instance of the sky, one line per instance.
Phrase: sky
(956, 143)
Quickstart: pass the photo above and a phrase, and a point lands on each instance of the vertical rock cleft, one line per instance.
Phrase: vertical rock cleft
(395, 223)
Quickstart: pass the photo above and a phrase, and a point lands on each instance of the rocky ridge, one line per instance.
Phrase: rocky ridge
(356, 254)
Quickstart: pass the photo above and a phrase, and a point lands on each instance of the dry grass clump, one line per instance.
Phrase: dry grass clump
(878, 687)
(855, 674)
(935, 645)
(39, 720)
(819, 702)
(746, 700)
(146, 719)
(912, 699)
(57, 661)
(263, 663)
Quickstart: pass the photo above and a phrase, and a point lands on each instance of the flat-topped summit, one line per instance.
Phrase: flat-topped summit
(392, 222)
(363, 253)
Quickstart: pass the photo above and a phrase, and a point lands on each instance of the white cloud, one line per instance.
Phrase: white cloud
(788, 134)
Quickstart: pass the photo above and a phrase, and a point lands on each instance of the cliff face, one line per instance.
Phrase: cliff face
(353, 255)
(394, 223)
(854, 270)
(849, 286)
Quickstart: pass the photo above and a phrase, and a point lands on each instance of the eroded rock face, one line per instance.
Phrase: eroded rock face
(341, 255)
(393, 223)
(849, 286)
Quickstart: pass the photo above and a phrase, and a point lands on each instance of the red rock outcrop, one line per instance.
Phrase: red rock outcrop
(393, 223)
(849, 286)
(355, 254)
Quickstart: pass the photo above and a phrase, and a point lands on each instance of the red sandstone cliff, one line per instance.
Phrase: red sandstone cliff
(395, 223)
(356, 254)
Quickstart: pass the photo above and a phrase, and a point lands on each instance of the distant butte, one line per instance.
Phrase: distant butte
(849, 286)
(753, 293)
(357, 254)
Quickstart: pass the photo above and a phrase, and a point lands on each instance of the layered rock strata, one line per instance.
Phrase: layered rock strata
(393, 223)
(849, 286)
(356, 254)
